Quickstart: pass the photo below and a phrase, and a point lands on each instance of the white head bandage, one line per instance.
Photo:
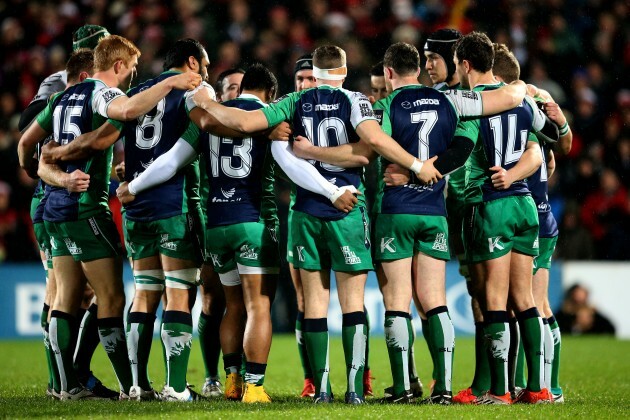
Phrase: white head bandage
(338, 73)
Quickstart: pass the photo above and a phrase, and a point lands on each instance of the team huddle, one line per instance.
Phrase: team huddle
(462, 169)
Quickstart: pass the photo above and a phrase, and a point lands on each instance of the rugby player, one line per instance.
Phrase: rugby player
(378, 88)
(228, 84)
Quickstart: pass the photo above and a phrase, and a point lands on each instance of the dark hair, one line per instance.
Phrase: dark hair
(329, 57)
(259, 77)
(178, 54)
(81, 60)
(218, 86)
(476, 48)
(403, 58)
(505, 64)
(377, 70)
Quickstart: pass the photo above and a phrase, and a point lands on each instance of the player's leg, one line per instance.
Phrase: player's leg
(540, 284)
(53, 373)
(212, 310)
(396, 288)
(308, 390)
(350, 289)
(231, 333)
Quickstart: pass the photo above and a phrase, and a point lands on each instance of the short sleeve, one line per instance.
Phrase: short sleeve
(101, 99)
(532, 137)
(190, 104)
(118, 124)
(45, 117)
(382, 116)
(361, 109)
(281, 110)
(466, 102)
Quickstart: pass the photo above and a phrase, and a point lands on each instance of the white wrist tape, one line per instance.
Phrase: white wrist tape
(416, 166)
(339, 192)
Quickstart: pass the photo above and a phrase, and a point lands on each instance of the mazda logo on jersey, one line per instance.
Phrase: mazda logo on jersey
(307, 107)
(406, 104)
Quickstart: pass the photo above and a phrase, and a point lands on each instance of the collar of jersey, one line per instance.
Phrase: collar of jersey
(489, 84)
(250, 97)
(172, 71)
(415, 85)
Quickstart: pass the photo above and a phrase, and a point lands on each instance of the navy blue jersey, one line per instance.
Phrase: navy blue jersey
(327, 116)
(80, 109)
(147, 138)
(235, 171)
(537, 184)
(422, 120)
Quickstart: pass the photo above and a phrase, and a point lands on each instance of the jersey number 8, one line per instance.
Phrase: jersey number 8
(149, 128)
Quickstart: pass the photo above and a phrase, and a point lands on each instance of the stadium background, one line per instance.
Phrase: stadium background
(578, 50)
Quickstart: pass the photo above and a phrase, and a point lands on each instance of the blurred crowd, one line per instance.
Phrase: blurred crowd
(578, 50)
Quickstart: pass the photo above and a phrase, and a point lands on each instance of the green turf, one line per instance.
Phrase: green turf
(595, 375)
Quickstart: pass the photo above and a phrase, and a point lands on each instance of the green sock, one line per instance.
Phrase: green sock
(398, 340)
(299, 337)
(317, 346)
(497, 338)
(520, 380)
(413, 372)
(555, 365)
(367, 340)
(548, 352)
(112, 333)
(426, 334)
(353, 335)
(177, 338)
(43, 320)
(210, 343)
(61, 335)
(531, 327)
(139, 340)
(442, 338)
(515, 338)
(87, 342)
(481, 380)
(232, 363)
(255, 373)
(164, 358)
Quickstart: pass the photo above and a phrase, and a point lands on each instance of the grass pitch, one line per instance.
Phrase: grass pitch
(595, 375)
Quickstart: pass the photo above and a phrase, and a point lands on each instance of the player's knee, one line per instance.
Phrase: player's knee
(183, 279)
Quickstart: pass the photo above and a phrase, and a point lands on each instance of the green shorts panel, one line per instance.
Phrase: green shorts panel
(496, 227)
(171, 237)
(343, 245)
(250, 244)
(86, 240)
(401, 236)
(546, 247)
(43, 240)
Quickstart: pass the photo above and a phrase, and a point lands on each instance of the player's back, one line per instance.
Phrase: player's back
(328, 116)
(146, 139)
(502, 141)
(73, 115)
(423, 121)
(236, 168)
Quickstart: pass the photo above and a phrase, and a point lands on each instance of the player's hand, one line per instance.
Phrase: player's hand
(186, 81)
(48, 152)
(120, 171)
(372, 99)
(123, 194)
(347, 200)
(281, 132)
(301, 147)
(202, 96)
(78, 181)
(532, 90)
(428, 174)
(501, 179)
(396, 175)
(555, 114)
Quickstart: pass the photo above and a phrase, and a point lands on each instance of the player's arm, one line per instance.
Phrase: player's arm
(306, 176)
(51, 174)
(551, 163)
(84, 145)
(349, 155)
(27, 147)
(555, 114)
(164, 167)
(30, 113)
(370, 132)
(474, 104)
(546, 130)
(527, 165)
(112, 103)
(234, 118)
